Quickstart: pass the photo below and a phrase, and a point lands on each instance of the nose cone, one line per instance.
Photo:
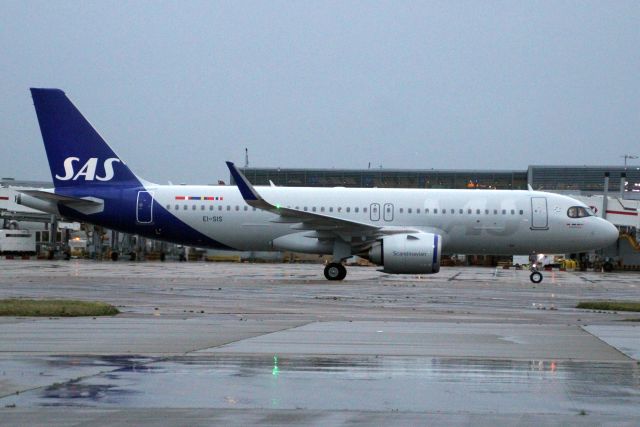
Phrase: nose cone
(607, 233)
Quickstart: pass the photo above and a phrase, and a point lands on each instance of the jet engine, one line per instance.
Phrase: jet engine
(412, 253)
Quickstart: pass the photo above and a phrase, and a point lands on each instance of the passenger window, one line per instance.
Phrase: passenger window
(219, 207)
(477, 211)
(435, 211)
(228, 207)
(201, 207)
(254, 209)
(331, 209)
(426, 211)
(237, 208)
(322, 209)
(364, 210)
(210, 207)
(185, 207)
(486, 211)
(246, 208)
(409, 210)
(453, 211)
(401, 210)
(444, 211)
(513, 211)
(495, 211)
(313, 209)
(417, 210)
(461, 211)
(193, 207)
(521, 212)
(504, 211)
(348, 209)
(168, 207)
(177, 207)
(305, 209)
(469, 211)
(356, 210)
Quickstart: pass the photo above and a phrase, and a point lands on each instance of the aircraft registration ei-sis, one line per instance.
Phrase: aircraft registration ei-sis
(405, 231)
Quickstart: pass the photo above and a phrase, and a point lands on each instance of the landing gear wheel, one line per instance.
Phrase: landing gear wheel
(536, 277)
(114, 256)
(335, 271)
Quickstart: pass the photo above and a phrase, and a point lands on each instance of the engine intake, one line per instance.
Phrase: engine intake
(414, 253)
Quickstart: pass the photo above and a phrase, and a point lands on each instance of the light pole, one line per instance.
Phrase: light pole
(628, 156)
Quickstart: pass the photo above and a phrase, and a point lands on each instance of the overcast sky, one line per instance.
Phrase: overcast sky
(177, 88)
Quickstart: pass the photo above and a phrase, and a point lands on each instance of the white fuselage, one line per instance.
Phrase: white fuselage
(469, 221)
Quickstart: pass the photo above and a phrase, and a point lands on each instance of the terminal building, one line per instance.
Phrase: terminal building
(585, 180)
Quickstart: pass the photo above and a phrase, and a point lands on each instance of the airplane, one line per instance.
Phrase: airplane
(404, 231)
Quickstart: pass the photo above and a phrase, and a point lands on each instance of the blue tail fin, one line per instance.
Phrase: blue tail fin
(78, 156)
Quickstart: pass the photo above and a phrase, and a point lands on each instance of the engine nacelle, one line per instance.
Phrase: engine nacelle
(413, 253)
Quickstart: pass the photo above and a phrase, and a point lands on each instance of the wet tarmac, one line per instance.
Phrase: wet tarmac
(363, 383)
(202, 344)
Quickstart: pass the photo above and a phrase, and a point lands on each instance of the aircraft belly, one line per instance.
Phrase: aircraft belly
(237, 231)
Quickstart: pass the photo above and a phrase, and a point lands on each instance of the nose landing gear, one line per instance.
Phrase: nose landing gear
(536, 276)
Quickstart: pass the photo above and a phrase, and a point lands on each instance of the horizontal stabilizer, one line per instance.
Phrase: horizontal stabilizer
(85, 205)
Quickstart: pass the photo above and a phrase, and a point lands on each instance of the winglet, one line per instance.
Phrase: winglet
(246, 189)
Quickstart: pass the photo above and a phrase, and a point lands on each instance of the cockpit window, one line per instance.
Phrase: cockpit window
(578, 212)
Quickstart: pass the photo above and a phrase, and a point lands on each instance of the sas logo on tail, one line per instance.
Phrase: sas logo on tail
(88, 171)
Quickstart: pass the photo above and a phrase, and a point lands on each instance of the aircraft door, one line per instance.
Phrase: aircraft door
(388, 212)
(539, 216)
(374, 212)
(144, 212)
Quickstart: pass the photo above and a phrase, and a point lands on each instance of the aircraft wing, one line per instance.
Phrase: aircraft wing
(358, 234)
(314, 220)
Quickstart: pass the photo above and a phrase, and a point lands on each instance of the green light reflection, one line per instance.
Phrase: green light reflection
(275, 371)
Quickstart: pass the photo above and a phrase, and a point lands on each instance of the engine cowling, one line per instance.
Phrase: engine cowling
(412, 253)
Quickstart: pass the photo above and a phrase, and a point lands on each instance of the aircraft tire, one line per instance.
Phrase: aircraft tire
(536, 277)
(335, 271)
(114, 256)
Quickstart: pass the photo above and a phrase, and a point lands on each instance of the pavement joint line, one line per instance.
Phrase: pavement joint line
(150, 362)
(247, 338)
(454, 277)
(606, 343)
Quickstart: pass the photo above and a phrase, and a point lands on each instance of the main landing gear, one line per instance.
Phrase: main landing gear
(335, 271)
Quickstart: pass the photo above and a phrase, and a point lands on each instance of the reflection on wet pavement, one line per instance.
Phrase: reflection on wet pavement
(355, 383)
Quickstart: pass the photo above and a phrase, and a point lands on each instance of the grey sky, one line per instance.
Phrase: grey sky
(177, 88)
